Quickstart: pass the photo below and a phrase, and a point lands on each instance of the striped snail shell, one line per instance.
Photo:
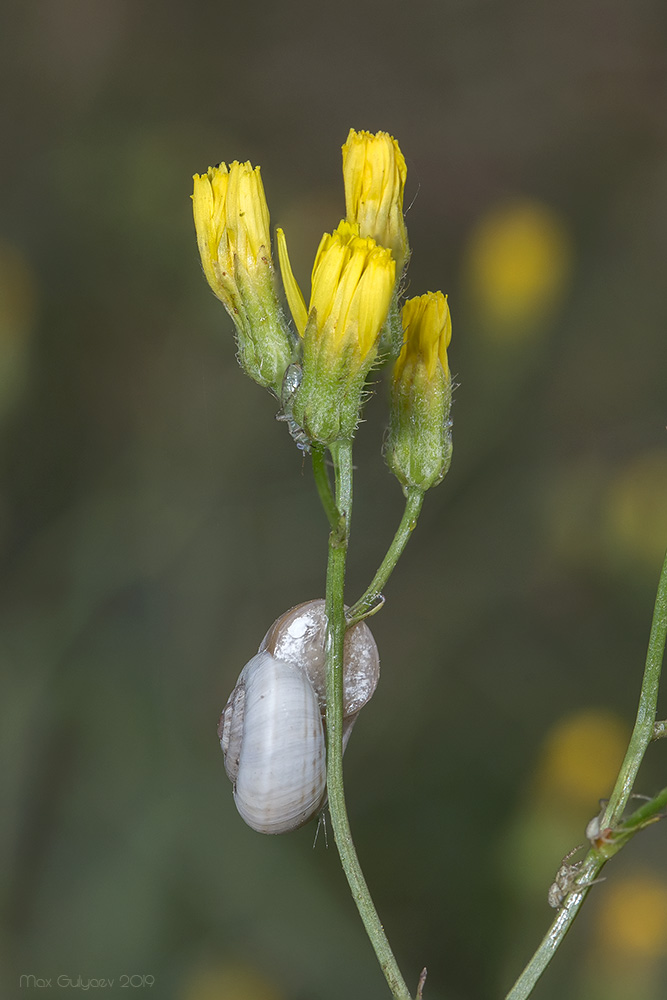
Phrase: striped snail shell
(272, 738)
(272, 727)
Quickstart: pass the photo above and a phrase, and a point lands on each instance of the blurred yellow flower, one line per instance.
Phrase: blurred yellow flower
(518, 262)
(374, 173)
(632, 918)
(581, 757)
(636, 516)
(229, 981)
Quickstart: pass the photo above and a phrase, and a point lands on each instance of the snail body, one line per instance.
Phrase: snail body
(272, 729)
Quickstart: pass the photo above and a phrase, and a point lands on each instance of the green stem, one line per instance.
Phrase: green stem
(648, 701)
(648, 813)
(597, 858)
(524, 985)
(341, 454)
(342, 457)
(323, 486)
(413, 504)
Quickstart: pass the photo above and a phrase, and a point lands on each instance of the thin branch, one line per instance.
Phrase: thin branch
(615, 831)
(413, 503)
(342, 456)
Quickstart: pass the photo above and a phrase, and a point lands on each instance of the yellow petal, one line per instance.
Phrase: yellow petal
(295, 299)
(208, 208)
(247, 213)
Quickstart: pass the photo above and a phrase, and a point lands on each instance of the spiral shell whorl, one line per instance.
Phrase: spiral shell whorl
(298, 636)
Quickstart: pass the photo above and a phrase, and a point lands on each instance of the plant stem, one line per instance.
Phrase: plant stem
(648, 813)
(648, 701)
(523, 987)
(342, 457)
(413, 504)
(323, 486)
(597, 858)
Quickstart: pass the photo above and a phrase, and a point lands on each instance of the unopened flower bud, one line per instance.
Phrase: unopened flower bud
(374, 173)
(419, 446)
(232, 222)
(351, 288)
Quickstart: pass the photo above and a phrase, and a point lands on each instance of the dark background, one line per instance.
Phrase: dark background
(155, 519)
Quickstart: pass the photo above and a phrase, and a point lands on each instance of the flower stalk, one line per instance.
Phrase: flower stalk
(338, 541)
(615, 832)
(413, 505)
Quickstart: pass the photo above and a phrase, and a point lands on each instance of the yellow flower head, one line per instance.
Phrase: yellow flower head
(232, 222)
(632, 922)
(418, 448)
(428, 332)
(518, 263)
(374, 173)
(352, 285)
(351, 288)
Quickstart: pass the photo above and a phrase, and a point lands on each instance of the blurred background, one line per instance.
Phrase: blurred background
(155, 518)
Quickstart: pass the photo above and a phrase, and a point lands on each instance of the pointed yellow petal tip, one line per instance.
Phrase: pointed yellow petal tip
(295, 299)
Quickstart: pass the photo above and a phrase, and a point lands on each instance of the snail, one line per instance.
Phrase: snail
(272, 728)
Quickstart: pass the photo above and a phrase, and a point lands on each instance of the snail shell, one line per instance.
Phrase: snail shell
(298, 636)
(272, 727)
(273, 741)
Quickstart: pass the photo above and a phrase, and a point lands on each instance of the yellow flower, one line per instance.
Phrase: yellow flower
(636, 518)
(374, 173)
(519, 259)
(351, 286)
(428, 332)
(582, 754)
(232, 223)
(351, 289)
(632, 920)
(419, 445)
(228, 979)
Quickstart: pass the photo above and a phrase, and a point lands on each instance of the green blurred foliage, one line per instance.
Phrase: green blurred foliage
(155, 519)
